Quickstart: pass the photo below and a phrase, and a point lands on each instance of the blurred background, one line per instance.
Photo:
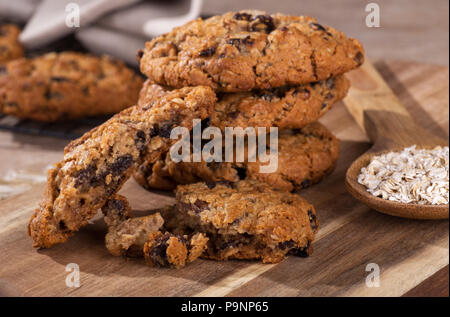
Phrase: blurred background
(409, 30)
(416, 30)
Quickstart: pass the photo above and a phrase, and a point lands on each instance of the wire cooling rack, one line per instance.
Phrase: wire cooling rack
(68, 130)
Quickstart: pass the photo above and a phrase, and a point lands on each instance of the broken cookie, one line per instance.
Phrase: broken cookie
(95, 166)
(142, 236)
(170, 250)
(245, 220)
(126, 235)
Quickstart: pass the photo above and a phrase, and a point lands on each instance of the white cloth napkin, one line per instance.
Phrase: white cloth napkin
(17, 10)
(101, 40)
(115, 27)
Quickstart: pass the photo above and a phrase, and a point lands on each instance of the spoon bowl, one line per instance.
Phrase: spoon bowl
(389, 127)
(393, 208)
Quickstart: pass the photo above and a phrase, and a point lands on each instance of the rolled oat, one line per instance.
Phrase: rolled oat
(410, 176)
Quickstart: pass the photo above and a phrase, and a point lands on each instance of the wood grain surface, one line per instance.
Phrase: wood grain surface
(409, 253)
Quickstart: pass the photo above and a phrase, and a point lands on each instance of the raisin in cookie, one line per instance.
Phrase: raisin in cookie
(61, 86)
(246, 220)
(126, 235)
(95, 166)
(171, 250)
(10, 47)
(305, 157)
(285, 108)
(249, 50)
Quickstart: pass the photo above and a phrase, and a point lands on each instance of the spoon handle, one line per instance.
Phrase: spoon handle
(378, 111)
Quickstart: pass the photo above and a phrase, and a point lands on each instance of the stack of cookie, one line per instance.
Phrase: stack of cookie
(245, 69)
(267, 71)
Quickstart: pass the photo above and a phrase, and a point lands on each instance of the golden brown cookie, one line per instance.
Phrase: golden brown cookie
(285, 108)
(246, 50)
(214, 220)
(246, 220)
(10, 47)
(61, 86)
(305, 157)
(95, 166)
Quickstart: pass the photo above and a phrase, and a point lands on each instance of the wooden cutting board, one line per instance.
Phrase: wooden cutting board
(351, 235)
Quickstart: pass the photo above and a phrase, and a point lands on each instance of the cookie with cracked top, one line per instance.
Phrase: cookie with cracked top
(247, 50)
(68, 85)
(285, 108)
(10, 47)
(246, 220)
(305, 157)
(95, 166)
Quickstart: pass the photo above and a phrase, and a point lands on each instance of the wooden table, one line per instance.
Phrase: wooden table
(413, 255)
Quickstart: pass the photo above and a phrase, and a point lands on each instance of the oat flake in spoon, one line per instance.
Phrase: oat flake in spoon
(410, 176)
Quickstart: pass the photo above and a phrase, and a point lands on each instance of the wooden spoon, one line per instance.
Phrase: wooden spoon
(391, 128)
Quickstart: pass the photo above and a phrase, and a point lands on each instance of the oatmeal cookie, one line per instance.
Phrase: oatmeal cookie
(246, 220)
(170, 250)
(285, 108)
(246, 50)
(10, 47)
(62, 86)
(305, 157)
(126, 235)
(95, 166)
